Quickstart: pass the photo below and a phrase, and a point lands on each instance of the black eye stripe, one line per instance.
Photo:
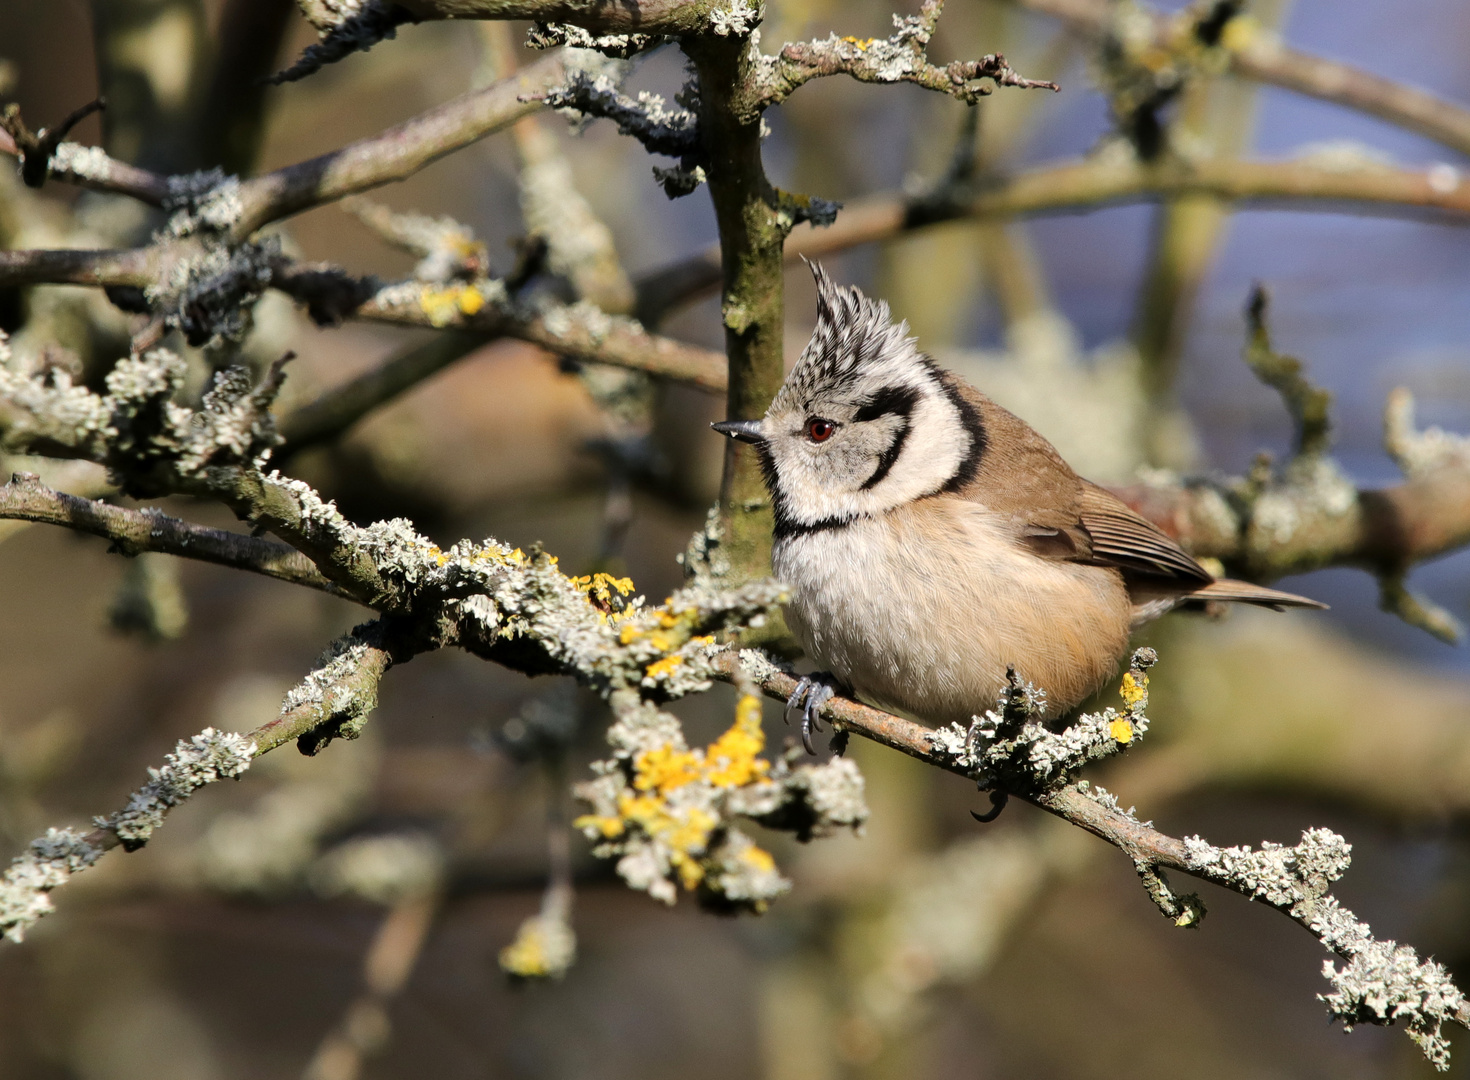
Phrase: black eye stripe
(890, 401)
(889, 456)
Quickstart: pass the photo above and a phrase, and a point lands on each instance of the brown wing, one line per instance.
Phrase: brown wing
(1053, 510)
(1058, 515)
(1128, 540)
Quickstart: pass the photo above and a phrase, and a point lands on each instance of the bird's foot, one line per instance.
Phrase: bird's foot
(814, 691)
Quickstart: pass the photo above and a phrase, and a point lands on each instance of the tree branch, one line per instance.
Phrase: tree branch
(339, 693)
(1255, 54)
(336, 410)
(25, 498)
(1092, 183)
(578, 331)
(1382, 982)
(396, 153)
(653, 17)
(902, 57)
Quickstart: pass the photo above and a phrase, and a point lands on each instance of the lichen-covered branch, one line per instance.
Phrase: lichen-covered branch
(647, 17)
(902, 57)
(580, 331)
(131, 532)
(345, 28)
(337, 695)
(154, 447)
(1009, 750)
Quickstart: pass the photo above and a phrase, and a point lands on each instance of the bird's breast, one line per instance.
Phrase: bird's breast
(921, 610)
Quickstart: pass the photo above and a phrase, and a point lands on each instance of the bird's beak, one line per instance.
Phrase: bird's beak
(745, 430)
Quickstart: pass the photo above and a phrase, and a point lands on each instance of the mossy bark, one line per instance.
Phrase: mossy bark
(752, 234)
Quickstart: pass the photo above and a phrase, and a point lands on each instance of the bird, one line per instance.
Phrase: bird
(929, 540)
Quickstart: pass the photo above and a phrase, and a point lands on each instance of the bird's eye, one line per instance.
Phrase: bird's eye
(819, 430)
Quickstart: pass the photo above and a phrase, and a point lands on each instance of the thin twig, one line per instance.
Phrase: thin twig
(1259, 55)
(396, 153)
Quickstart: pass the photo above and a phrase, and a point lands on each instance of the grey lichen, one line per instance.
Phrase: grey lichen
(209, 295)
(1419, 453)
(136, 429)
(735, 18)
(88, 164)
(1382, 982)
(346, 27)
(549, 35)
(328, 685)
(673, 132)
(1009, 749)
(207, 201)
(646, 117)
(48, 863)
(207, 757)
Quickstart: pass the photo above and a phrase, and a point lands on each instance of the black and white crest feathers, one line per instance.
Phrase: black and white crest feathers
(854, 337)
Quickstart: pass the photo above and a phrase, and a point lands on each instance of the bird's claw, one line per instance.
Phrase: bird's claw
(998, 800)
(811, 693)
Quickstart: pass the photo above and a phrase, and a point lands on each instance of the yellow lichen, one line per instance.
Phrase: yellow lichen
(1239, 33)
(664, 769)
(608, 594)
(1121, 730)
(666, 666)
(526, 955)
(443, 305)
(544, 947)
(609, 827)
(1133, 690)
(731, 761)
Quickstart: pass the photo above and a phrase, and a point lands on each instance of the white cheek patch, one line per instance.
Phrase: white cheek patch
(936, 446)
(820, 484)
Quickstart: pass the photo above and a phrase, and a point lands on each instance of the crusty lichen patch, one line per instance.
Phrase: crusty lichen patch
(665, 811)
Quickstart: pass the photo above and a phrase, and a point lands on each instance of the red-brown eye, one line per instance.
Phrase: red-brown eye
(819, 430)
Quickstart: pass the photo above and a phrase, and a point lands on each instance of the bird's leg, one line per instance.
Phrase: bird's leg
(814, 691)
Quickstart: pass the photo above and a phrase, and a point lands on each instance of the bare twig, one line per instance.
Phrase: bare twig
(1256, 54)
(36, 147)
(396, 153)
(386, 968)
(1308, 404)
(1099, 181)
(337, 409)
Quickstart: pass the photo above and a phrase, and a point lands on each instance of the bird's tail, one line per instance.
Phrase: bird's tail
(1245, 593)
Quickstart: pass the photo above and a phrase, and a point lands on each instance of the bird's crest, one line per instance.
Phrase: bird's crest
(855, 338)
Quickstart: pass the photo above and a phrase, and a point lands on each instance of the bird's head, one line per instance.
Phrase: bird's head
(863, 423)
